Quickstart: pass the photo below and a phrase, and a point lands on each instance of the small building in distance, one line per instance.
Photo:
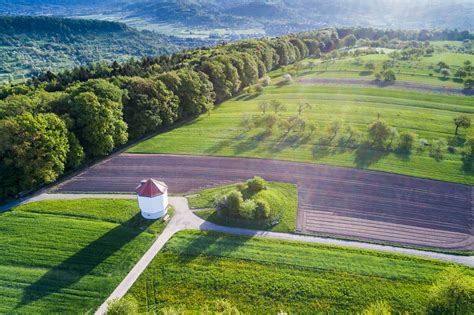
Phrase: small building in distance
(152, 198)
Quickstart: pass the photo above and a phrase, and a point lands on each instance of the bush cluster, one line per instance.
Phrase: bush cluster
(244, 204)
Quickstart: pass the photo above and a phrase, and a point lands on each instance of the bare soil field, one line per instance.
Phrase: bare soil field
(337, 201)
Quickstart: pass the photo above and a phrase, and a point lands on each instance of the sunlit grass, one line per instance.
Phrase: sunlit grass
(262, 276)
(66, 257)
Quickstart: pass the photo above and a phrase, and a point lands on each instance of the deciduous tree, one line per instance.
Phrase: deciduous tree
(378, 133)
(33, 149)
(461, 121)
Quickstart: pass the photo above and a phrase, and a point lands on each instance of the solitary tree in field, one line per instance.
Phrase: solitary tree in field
(268, 122)
(334, 127)
(263, 106)
(393, 136)
(389, 75)
(437, 149)
(247, 121)
(288, 124)
(443, 65)
(469, 83)
(453, 293)
(445, 72)
(461, 121)
(406, 142)
(370, 66)
(352, 132)
(378, 133)
(277, 106)
(302, 107)
(312, 127)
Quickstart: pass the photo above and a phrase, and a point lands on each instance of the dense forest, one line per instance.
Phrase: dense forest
(32, 45)
(57, 122)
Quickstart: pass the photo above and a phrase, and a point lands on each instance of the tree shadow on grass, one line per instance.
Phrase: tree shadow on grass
(457, 141)
(320, 151)
(366, 155)
(83, 262)
(226, 142)
(250, 97)
(304, 73)
(468, 164)
(252, 142)
(365, 73)
(282, 84)
(403, 155)
(287, 140)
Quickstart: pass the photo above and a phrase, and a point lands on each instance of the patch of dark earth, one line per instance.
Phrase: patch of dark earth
(337, 201)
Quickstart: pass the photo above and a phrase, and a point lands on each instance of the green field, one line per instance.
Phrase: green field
(281, 196)
(263, 276)
(422, 70)
(66, 257)
(430, 116)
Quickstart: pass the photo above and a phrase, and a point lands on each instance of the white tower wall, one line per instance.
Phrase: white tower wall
(153, 208)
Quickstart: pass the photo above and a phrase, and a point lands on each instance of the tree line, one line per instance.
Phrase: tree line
(58, 121)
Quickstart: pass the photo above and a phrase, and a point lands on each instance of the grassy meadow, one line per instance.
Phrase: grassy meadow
(263, 276)
(66, 257)
(280, 196)
(422, 70)
(430, 116)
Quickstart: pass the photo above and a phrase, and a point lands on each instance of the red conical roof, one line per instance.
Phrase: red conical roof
(151, 188)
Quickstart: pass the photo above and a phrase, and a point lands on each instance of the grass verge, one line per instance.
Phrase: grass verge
(67, 256)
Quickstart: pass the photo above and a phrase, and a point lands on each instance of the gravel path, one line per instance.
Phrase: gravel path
(439, 89)
(337, 201)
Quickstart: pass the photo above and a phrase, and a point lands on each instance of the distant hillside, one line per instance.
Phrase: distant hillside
(31, 45)
(259, 9)
(273, 16)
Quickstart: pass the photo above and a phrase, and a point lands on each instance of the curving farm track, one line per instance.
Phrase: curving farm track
(336, 201)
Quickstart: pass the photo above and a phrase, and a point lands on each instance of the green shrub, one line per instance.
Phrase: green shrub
(389, 76)
(256, 184)
(225, 307)
(124, 306)
(231, 204)
(406, 141)
(247, 209)
(378, 308)
(241, 187)
(453, 293)
(262, 210)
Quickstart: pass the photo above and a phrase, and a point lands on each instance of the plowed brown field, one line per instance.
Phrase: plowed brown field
(332, 200)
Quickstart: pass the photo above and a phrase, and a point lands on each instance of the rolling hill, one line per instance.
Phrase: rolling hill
(32, 45)
(274, 17)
